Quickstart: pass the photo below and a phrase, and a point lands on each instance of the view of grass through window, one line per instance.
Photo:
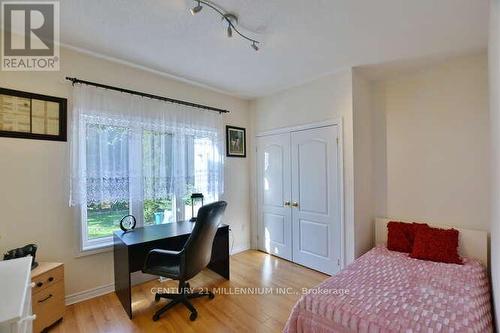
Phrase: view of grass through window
(103, 219)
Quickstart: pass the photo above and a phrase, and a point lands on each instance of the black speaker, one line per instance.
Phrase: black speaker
(28, 250)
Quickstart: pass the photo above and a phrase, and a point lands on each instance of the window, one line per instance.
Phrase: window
(133, 155)
(107, 177)
(109, 167)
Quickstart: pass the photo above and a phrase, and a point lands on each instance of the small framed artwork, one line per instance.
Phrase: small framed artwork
(32, 116)
(236, 142)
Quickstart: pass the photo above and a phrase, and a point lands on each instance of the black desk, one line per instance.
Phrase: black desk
(131, 248)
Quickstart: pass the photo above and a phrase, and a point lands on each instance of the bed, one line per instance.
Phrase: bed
(386, 291)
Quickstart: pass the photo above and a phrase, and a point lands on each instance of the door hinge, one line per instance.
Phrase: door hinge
(338, 262)
(337, 140)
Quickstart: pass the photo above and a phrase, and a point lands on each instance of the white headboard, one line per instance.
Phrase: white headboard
(472, 243)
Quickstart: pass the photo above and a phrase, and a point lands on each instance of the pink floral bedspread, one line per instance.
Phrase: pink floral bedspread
(385, 291)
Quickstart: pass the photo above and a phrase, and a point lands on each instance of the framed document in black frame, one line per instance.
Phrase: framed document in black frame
(32, 116)
(236, 141)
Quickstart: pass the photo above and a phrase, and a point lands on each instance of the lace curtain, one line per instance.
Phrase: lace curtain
(129, 148)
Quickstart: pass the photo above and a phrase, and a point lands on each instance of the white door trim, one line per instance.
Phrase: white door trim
(282, 130)
(338, 121)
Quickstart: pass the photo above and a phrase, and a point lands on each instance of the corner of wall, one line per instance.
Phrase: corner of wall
(254, 243)
(363, 146)
(494, 76)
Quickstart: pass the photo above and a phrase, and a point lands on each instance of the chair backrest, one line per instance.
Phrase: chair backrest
(198, 248)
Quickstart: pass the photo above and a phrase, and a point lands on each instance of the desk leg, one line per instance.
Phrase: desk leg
(220, 253)
(122, 275)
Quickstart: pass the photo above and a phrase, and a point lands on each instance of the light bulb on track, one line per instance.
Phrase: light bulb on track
(195, 10)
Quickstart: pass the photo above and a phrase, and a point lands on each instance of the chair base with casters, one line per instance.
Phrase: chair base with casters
(183, 296)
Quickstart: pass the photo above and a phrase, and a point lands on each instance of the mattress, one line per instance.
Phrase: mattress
(386, 291)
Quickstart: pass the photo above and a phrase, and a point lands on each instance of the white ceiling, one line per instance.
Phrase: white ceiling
(301, 39)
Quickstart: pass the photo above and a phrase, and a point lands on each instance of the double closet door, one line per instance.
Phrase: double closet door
(299, 197)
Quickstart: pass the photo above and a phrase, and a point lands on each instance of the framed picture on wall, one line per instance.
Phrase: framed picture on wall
(236, 141)
(32, 116)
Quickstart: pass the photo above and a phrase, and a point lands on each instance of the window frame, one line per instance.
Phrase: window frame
(92, 244)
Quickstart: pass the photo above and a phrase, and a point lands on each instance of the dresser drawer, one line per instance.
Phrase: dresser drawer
(48, 306)
(48, 279)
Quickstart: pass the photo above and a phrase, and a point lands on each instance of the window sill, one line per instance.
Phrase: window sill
(92, 250)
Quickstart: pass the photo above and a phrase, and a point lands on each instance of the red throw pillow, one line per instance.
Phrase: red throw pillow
(414, 230)
(440, 245)
(401, 235)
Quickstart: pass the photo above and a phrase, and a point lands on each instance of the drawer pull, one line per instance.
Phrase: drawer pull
(39, 284)
(45, 299)
(51, 279)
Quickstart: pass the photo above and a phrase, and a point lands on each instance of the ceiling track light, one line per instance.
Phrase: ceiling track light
(231, 20)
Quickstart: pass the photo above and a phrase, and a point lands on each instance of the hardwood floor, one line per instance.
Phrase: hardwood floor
(226, 313)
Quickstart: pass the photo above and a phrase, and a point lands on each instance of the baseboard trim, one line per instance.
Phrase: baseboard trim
(89, 294)
(240, 248)
(109, 288)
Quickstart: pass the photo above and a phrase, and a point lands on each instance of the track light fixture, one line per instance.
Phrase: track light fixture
(229, 18)
(195, 10)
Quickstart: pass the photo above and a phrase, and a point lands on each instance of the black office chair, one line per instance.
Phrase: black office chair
(185, 264)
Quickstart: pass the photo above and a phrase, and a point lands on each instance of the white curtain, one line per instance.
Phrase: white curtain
(130, 148)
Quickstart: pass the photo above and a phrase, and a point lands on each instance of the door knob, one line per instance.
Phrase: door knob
(286, 203)
(295, 204)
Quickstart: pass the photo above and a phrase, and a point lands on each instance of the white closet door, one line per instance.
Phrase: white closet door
(315, 199)
(273, 158)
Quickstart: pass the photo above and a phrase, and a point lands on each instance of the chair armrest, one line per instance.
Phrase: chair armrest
(157, 254)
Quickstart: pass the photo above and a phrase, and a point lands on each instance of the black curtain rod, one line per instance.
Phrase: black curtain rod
(74, 80)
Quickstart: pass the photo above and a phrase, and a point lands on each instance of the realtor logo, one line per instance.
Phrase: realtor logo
(30, 36)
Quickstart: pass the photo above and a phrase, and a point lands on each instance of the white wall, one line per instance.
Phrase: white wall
(436, 155)
(323, 99)
(364, 145)
(34, 175)
(494, 71)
